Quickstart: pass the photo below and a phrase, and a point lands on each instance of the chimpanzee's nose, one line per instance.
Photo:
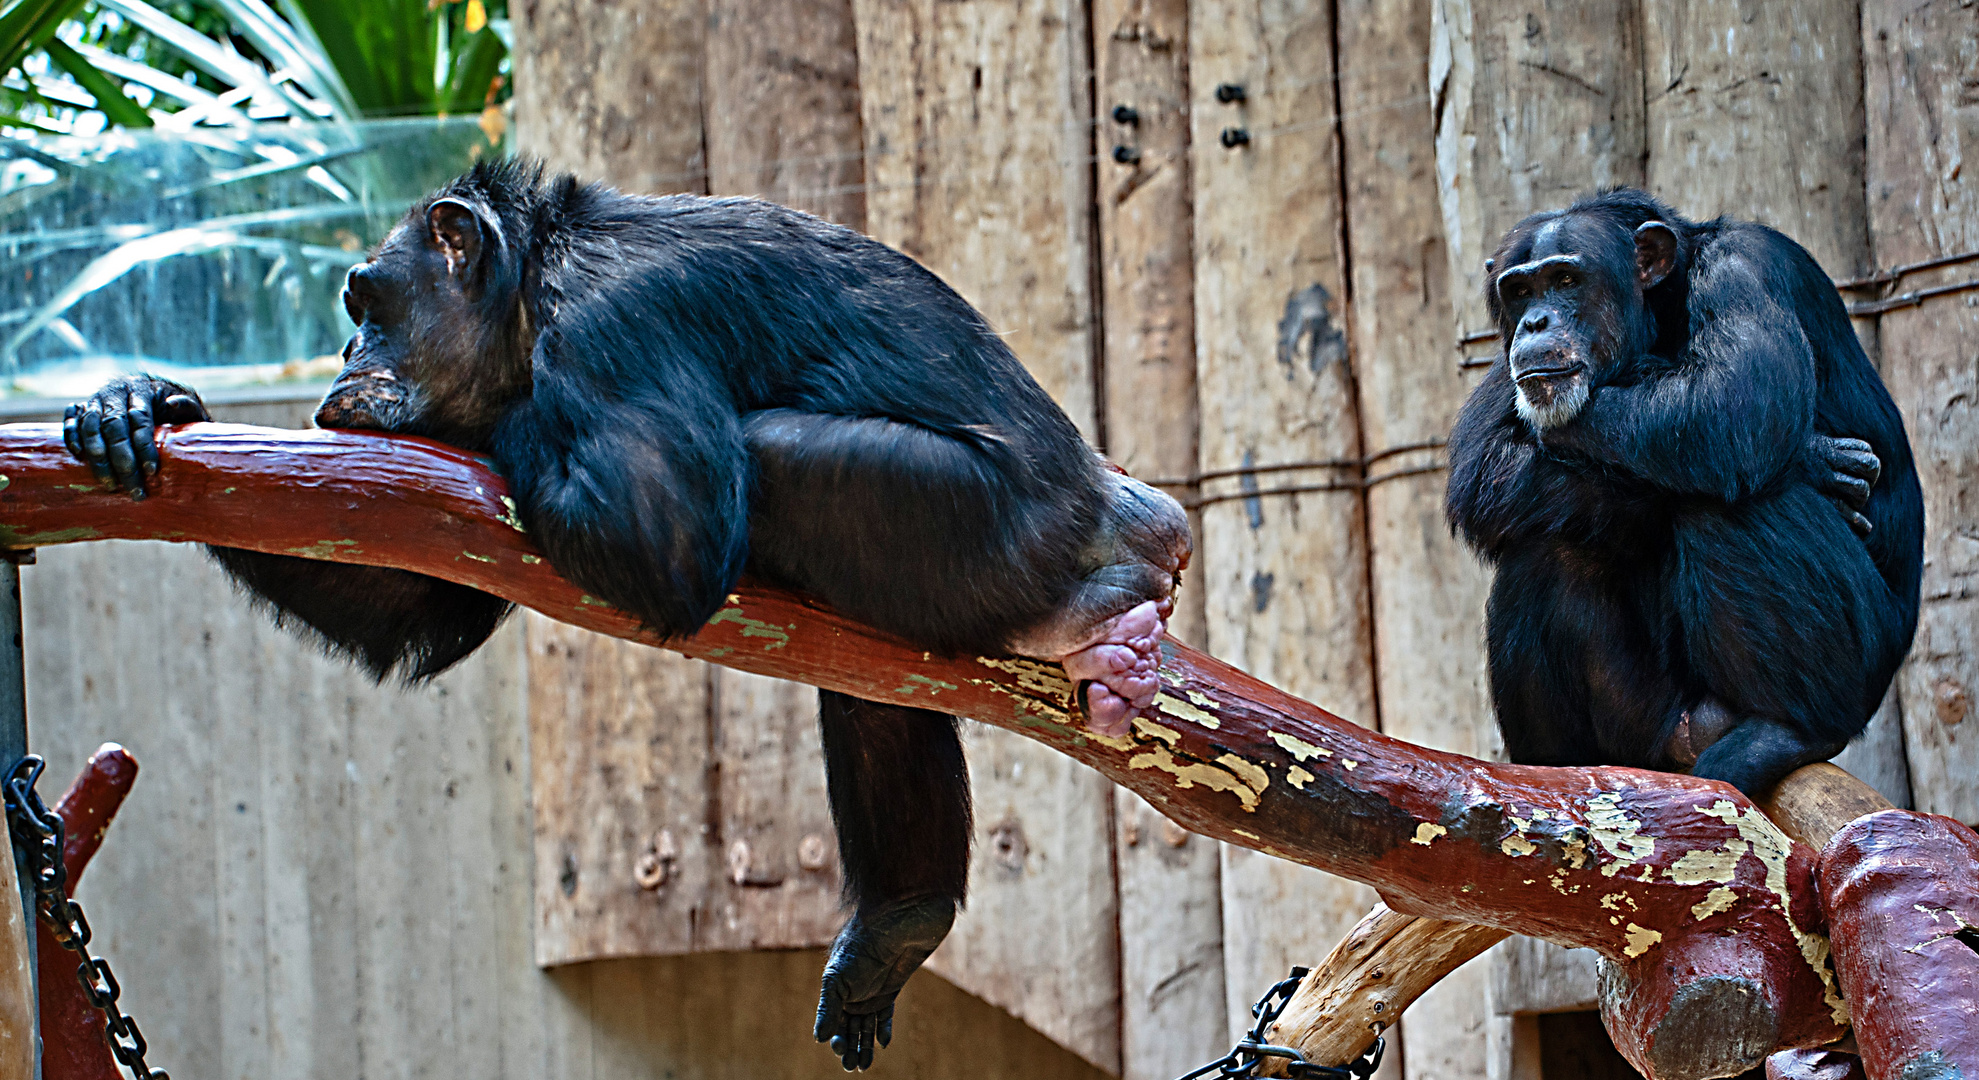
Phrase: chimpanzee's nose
(1534, 323)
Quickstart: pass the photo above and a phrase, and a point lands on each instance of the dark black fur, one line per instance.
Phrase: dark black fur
(1673, 554)
(674, 388)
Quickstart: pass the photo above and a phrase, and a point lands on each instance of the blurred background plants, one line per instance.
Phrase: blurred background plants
(184, 183)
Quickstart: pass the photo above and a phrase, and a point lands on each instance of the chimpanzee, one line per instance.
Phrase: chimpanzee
(676, 388)
(1655, 466)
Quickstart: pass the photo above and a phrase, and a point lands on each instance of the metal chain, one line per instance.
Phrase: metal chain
(1242, 1062)
(38, 831)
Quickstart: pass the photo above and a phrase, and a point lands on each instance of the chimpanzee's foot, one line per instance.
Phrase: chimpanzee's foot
(870, 961)
(1108, 633)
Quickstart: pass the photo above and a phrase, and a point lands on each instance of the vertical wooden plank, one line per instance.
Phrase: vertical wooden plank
(1285, 575)
(1756, 110)
(1531, 106)
(782, 105)
(613, 91)
(777, 880)
(1171, 928)
(1171, 944)
(620, 761)
(978, 160)
(978, 127)
(1921, 63)
(1039, 936)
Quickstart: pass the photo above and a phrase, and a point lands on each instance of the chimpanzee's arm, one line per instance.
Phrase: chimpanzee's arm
(636, 491)
(1736, 410)
(380, 618)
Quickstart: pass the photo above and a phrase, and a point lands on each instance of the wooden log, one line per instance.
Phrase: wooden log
(1901, 891)
(1668, 876)
(1923, 205)
(72, 1044)
(1390, 959)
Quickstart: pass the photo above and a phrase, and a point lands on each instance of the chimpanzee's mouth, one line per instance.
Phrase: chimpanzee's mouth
(1542, 374)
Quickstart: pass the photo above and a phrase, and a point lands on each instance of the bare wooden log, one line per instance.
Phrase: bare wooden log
(1666, 875)
(1390, 959)
(16, 978)
(72, 1044)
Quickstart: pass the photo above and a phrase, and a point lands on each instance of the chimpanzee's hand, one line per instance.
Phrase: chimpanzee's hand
(870, 961)
(112, 431)
(1846, 470)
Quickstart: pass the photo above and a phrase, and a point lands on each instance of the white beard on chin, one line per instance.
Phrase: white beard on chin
(1563, 405)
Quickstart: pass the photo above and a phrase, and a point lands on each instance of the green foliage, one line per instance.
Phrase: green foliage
(135, 61)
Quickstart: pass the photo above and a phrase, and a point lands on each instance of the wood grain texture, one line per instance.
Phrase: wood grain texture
(1285, 576)
(1921, 117)
(17, 998)
(613, 91)
(781, 94)
(1171, 944)
(1756, 110)
(978, 122)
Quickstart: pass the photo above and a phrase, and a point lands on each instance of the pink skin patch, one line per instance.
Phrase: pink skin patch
(1116, 668)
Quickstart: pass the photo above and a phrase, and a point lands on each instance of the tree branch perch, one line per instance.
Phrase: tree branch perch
(1681, 881)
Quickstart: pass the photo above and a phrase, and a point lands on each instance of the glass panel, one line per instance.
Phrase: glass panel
(214, 255)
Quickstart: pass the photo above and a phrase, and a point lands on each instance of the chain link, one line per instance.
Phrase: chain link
(1242, 1062)
(38, 831)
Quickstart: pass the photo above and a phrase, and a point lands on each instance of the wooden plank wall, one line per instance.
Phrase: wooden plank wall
(332, 852)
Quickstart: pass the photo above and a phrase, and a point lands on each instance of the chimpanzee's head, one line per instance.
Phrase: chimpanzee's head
(1567, 289)
(442, 343)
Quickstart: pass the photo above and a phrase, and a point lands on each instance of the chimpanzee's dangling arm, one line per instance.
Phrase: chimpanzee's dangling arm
(1732, 415)
(381, 618)
(637, 492)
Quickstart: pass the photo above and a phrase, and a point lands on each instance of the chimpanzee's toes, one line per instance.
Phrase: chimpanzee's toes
(1118, 672)
(870, 961)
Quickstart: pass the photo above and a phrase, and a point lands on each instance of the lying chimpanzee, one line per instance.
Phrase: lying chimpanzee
(680, 387)
(1655, 465)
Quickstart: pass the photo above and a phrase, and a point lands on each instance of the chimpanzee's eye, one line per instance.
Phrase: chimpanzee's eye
(1517, 291)
(1568, 281)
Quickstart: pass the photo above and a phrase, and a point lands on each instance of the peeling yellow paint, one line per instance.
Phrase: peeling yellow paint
(1299, 748)
(1298, 777)
(1641, 940)
(1576, 852)
(1771, 847)
(1189, 774)
(1349, 764)
(1427, 832)
(477, 558)
(509, 517)
(1517, 846)
(1249, 771)
(1032, 675)
(1247, 835)
(1200, 698)
(1619, 833)
(1719, 865)
(1153, 730)
(1613, 901)
(753, 628)
(1717, 900)
(532, 560)
(1176, 707)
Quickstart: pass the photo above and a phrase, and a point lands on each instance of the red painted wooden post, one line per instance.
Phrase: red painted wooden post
(72, 1046)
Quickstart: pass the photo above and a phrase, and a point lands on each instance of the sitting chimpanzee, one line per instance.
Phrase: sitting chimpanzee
(677, 388)
(1655, 466)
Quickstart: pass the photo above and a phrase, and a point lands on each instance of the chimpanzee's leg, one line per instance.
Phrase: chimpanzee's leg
(964, 545)
(1789, 624)
(900, 795)
(1575, 676)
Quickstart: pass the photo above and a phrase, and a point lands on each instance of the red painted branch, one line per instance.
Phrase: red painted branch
(72, 1046)
(1626, 862)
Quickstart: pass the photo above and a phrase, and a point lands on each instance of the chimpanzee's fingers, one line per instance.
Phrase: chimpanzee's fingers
(831, 1010)
(886, 1026)
(117, 445)
(90, 430)
(1854, 457)
(1852, 490)
(182, 409)
(1862, 525)
(144, 442)
(71, 437)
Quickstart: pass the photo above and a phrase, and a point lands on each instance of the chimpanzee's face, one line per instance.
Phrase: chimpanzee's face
(430, 355)
(1568, 293)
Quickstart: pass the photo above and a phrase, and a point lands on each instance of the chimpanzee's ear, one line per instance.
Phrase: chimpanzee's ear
(457, 230)
(1655, 253)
